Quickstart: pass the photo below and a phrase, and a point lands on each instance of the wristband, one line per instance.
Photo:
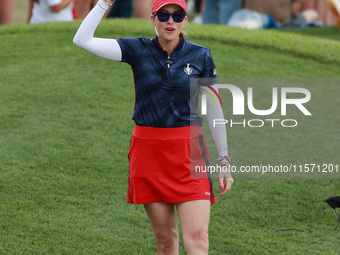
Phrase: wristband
(104, 4)
(224, 160)
(110, 2)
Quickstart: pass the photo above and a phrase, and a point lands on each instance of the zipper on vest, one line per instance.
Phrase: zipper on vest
(169, 62)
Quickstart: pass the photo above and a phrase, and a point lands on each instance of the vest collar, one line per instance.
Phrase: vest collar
(178, 48)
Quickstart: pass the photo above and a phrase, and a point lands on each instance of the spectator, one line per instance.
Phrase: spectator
(334, 6)
(121, 9)
(198, 11)
(6, 12)
(198, 5)
(219, 11)
(83, 7)
(282, 11)
(325, 14)
(41, 11)
(141, 9)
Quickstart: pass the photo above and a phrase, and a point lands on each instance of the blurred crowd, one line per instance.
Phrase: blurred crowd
(241, 13)
(271, 13)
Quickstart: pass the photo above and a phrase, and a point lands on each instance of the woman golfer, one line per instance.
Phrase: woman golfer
(167, 136)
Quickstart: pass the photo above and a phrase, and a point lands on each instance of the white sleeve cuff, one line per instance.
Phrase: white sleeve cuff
(104, 5)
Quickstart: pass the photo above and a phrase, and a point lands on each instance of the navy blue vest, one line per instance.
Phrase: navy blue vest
(164, 96)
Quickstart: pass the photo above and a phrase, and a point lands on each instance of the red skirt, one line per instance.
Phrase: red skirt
(162, 166)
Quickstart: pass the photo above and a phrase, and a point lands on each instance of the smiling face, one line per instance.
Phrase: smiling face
(169, 31)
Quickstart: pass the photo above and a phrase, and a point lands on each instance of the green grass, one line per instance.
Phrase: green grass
(65, 126)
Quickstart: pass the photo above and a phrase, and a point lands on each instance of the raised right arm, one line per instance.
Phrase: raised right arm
(104, 48)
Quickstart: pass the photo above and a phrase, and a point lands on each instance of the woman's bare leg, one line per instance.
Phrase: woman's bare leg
(162, 217)
(194, 219)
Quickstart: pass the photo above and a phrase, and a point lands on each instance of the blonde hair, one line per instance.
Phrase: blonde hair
(184, 33)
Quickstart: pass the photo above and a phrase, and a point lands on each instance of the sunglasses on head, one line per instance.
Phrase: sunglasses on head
(165, 16)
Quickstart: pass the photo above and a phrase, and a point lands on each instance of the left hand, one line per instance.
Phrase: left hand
(224, 177)
(225, 183)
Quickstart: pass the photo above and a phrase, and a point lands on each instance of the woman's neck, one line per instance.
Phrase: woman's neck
(168, 46)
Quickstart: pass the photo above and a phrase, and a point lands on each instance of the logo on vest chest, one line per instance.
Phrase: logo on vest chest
(188, 69)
